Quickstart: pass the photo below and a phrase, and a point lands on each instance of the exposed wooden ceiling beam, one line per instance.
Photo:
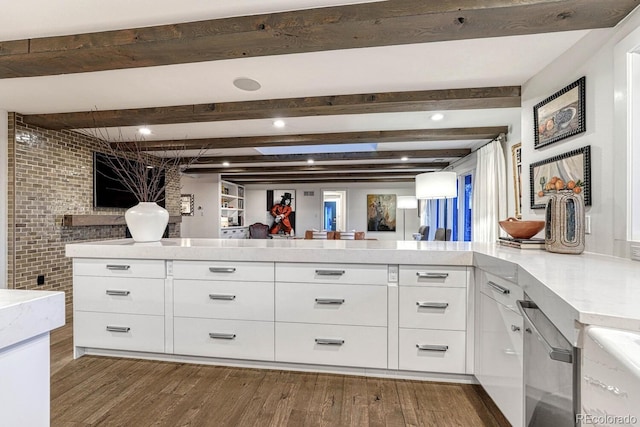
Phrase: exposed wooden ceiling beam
(319, 157)
(449, 134)
(394, 175)
(385, 102)
(303, 179)
(315, 168)
(392, 22)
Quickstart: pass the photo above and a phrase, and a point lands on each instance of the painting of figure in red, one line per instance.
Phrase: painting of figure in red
(281, 213)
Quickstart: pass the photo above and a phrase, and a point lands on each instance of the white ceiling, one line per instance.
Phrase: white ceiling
(503, 61)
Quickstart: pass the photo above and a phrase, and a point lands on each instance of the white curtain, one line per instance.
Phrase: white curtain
(489, 193)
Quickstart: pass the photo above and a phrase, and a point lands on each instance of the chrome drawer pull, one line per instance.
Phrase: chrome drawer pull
(329, 301)
(117, 293)
(501, 289)
(329, 341)
(515, 328)
(118, 267)
(429, 347)
(222, 297)
(123, 329)
(424, 275)
(222, 269)
(432, 304)
(330, 272)
(218, 336)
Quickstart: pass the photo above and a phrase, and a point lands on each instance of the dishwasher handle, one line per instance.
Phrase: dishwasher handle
(555, 353)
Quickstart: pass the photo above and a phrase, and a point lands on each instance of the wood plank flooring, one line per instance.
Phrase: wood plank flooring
(102, 391)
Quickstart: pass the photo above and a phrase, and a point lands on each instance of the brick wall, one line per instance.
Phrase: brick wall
(51, 175)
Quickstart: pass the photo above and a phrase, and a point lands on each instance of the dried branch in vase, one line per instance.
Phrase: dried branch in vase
(140, 171)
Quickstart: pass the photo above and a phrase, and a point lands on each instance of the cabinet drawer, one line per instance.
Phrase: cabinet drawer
(148, 268)
(433, 308)
(236, 339)
(501, 290)
(224, 270)
(361, 346)
(119, 331)
(432, 350)
(223, 300)
(363, 274)
(335, 304)
(416, 275)
(119, 295)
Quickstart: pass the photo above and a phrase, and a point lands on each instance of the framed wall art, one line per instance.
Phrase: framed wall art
(561, 115)
(381, 212)
(516, 158)
(570, 171)
(186, 204)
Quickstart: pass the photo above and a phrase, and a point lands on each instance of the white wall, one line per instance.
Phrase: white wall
(205, 221)
(593, 57)
(309, 208)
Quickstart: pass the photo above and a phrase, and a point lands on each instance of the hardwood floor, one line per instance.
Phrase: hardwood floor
(92, 391)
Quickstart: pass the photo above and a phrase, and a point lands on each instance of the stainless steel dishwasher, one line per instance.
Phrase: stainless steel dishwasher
(551, 366)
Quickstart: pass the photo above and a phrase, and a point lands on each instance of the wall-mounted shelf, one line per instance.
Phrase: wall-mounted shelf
(80, 220)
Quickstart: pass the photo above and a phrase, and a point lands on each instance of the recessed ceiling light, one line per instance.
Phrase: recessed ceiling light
(437, 117)
(278, 123)
(310, 161)
(144, 131)
(404, 158)
(225, 164)
(244, 83)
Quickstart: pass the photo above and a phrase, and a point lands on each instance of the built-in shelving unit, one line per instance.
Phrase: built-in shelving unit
(232, 207)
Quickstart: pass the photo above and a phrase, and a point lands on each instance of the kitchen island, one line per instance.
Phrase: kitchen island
(26, 317)
(589, 288)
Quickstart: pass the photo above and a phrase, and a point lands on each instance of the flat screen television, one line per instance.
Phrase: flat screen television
(108, 191)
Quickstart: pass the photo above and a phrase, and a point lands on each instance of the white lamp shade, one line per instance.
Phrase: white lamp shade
(436, 185)
(407, 202)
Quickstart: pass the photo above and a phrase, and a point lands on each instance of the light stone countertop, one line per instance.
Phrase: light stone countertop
(588, 288)
(26, 314)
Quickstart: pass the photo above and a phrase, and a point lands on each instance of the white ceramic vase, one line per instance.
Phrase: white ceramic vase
(146, 221)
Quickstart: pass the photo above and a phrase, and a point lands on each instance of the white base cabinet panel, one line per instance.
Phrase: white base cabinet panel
(119, 331)
(119, 295)
(24, 383)
(223, 300)
(432, 350)
(499, 357)
(235, 339)
(433, 308)
(362, 305)
(361, 346)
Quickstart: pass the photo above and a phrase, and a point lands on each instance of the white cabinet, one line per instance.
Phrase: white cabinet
(432, 319)
(499, 346)
(119, 304)
(331, 314)
(232, 208)
(325, 344)
(224, 309)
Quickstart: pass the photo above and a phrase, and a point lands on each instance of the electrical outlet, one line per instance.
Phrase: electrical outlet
(393, 274)
(635, 251)
(587, 224)
(40, 280)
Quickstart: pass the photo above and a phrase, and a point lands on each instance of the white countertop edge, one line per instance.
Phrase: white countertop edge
(25, 314)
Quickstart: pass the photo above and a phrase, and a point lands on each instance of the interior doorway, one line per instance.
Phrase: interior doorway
(334, 208)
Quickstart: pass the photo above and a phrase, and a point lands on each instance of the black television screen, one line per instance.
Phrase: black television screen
(108, 191)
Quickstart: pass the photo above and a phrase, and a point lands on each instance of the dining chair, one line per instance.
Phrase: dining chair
(258, 231)
(443, 235)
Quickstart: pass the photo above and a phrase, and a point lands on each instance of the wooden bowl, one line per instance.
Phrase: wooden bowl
(521, 229)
